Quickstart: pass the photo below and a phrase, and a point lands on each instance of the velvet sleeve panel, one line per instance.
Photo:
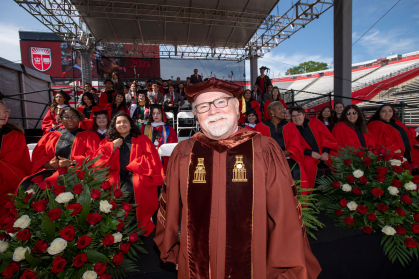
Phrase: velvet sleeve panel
(288, 251)
(48, 120)
(45, 150)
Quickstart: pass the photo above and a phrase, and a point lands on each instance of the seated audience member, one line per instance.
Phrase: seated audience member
(164, 87)
(257, 94)
(172, 100)
(251, 120)
(106, 96)
(134, 166)
(181, 90)
(338, 108)
(87, 105)
(326, 117)
(68, 146)
(51, 120)
(178, 81)
(14, 157)
(288, 138)
(89, 89)
(101, 122)
(142, 110)
(155, 96)
(391, 134)
(250, 104)
(274, 97)
(321, 142)
(267, 94)
(287, 114)
(188, 81)
(352, 130)
(131, 95)
(118, 104)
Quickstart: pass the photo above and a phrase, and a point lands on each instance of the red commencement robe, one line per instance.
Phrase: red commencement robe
(15, 163)
(346, 136)
(48, 121)
(103, 98)
(256, 106)
(147, 175)
(108, 107)
(230, 227)
(266, 115)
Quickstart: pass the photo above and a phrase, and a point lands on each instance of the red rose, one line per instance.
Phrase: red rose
(339, 212)
(397, 169)
(133, 238)
(58, 264)
(360, 154)
(382, 151)
(375, 151)
(11, 269)
(84, 241)
(126, 206)
(120, 226)
(68, 233)
(377, 192)
(44, 185)
(350, 178)
(7, 218)
(371, 216)
(81, 174)
(380, 177)
(343, 202)
(357, 191)
(367, 230)
(370, 148)
(54, 214)
(410, 243)
(24, 235)
(415, 227)
(76, 207)
(416, 217)
(106, 185)
(3, 236)
(79, 260)
(118, 193)
(399, 229)
(105, 276)
(367, 161)
(387, 157)
(78, 189)
(10, 205)
(125, 247)
(95, 194)
(349, 220)
(93, 218)
(113, 203)
(58, 189)
(382, 170)
(362, 209)
(379, 158)
(37, 179)
(28, 274)
(100, 268)
(10, 229)
(396, 183)
(40, 206)
(40, 247)
(108, 240)
(382, 207)
(118, 258)
(415, 179)
(348, 162)
(28, 197)
(62, 170)
(400, 211)
(363, 180)
(406, 199)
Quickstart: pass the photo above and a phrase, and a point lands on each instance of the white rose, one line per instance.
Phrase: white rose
(389, 230)
(57, 246)
(117, 237)
(395, 162)
(346, 188)
(358, 173)
(19, 253)
(393, 190)
(30, 191)
(90, 274)
(64, 197)
(23, 222)
(352, 205)
(3, 246)
(404, 159)
(105, 206)
(410, 186)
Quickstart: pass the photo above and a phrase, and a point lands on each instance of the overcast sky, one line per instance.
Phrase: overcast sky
(397, 32)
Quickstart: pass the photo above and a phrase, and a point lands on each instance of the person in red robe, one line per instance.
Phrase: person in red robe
(101, 123)
(228, 206)
(250, 104)
(15, 162)
(274, 97)
(352, 130)
(87, 108)
(134, 166)
(251, 120)
(263, 81)
(107, 95)
(118, 104)
(51, 122)
(321, 142)
(61, 148)
(391, 134)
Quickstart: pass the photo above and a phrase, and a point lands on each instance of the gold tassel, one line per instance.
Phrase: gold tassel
(243, 105)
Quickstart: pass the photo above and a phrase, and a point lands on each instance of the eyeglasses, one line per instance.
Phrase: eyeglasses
(349, 113)
(297, 115)
(218, 103)
(7, 111)
(73, 117)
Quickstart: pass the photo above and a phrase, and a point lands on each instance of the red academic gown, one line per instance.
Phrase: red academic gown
(15, 163)
(87, 123)
(387, 136)
(103, 98)
(346, 136)
(256, 106)
(108, 107)
(147, 171)
(48, 121)
(266, 115)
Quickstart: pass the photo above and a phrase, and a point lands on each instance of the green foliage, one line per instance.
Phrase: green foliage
(308, 67)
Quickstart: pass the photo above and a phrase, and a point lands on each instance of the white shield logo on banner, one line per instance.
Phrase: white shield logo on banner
(41, 58)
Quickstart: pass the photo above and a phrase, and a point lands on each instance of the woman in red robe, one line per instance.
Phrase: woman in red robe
(71, 145)
(50, 122)
(275, 97)
(101, 123)
(391, 134)
(250, 104)
(352, 130)
(15, 162)
(87, 108)
(118, 104)
(134, 166)
(251, 120)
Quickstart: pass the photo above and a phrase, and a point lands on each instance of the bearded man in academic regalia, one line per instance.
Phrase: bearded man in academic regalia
(229, 206)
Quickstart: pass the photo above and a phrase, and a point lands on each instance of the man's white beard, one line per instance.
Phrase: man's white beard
(221, 127)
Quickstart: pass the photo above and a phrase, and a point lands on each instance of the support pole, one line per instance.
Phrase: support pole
(253, 69)
(342, 50)
(86, 73)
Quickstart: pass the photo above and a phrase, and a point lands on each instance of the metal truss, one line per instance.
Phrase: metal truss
(65, 18)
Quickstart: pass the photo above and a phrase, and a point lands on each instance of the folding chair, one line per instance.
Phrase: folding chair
(166, 149)
(185, 115)
(171, 116)
(186, 107)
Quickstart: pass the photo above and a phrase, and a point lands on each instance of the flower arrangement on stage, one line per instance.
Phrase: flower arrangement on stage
(374, 191)
(80, 228)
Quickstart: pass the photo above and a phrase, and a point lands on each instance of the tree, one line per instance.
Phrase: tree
(307, 67)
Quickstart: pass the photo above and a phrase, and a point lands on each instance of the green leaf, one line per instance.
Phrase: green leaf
(49, 228)
(31, 259)
(6, 256)
(3, 266)
(96, 257)
(84, 200)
